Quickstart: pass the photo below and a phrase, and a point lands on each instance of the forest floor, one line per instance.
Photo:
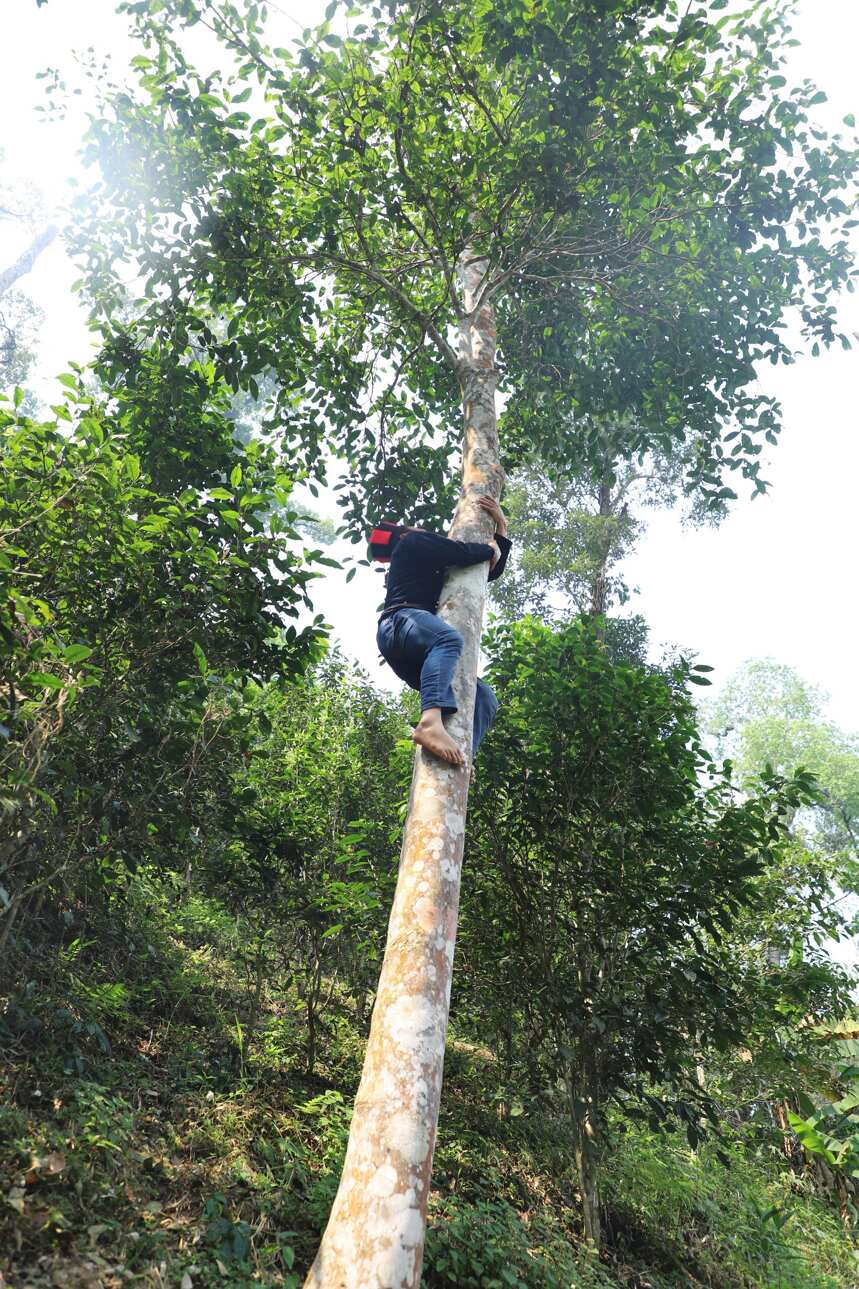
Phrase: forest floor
(154, 1132)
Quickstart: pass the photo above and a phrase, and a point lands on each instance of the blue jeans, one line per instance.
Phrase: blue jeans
(423, 651)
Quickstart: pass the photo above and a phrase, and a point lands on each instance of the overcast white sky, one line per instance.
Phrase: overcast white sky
(777, 579)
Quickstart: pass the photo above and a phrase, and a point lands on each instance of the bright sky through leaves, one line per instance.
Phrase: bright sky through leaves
(776, 579)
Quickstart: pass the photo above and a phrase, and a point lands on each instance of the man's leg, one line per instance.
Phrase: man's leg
(424, 651)
(485, 711)
(437, 696)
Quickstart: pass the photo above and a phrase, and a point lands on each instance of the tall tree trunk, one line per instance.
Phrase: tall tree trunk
(25, 262)
(599, 584)
(584, 1114)
(375, 1233)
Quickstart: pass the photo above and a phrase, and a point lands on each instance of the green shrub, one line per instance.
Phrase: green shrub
(332, 1118)
(738, 1225)
(487, 1245)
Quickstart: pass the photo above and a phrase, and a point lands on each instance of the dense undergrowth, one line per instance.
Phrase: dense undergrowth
(155, 1132)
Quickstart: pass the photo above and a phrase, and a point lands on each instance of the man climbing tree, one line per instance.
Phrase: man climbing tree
(606, 184)
(416, 644)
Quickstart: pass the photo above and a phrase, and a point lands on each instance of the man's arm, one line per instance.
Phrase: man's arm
(447, 552)
(504, 545)
(502, 541)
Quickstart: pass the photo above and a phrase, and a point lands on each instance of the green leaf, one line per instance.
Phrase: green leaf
(44, 680)
(76, 653)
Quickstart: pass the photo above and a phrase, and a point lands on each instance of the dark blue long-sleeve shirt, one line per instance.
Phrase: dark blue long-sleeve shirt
(420, 561)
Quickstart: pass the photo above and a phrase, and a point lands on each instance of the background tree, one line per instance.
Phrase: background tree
(572, 533)
(566, 551)
(21, 209)
(607, 887)
(139, 595)
(767, 714)
(308, 837)
(20, 321)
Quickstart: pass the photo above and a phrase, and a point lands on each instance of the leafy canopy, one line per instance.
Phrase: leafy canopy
(131, 617)
(613, 864)
(650, 196)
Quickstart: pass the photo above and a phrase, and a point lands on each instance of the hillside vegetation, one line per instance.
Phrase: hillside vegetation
(161, 1131)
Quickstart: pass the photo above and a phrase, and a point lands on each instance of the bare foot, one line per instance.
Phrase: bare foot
(430, 734)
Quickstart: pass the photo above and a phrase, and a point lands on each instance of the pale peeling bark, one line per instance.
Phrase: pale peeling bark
(375, 1233)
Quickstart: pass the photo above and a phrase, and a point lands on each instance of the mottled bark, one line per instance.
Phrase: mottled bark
(599, 584)
(375, 1233)
(25, 262)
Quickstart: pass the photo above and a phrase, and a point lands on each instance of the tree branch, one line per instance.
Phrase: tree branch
(25, 262)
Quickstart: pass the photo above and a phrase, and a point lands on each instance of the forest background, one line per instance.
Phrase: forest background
(81, 1025)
